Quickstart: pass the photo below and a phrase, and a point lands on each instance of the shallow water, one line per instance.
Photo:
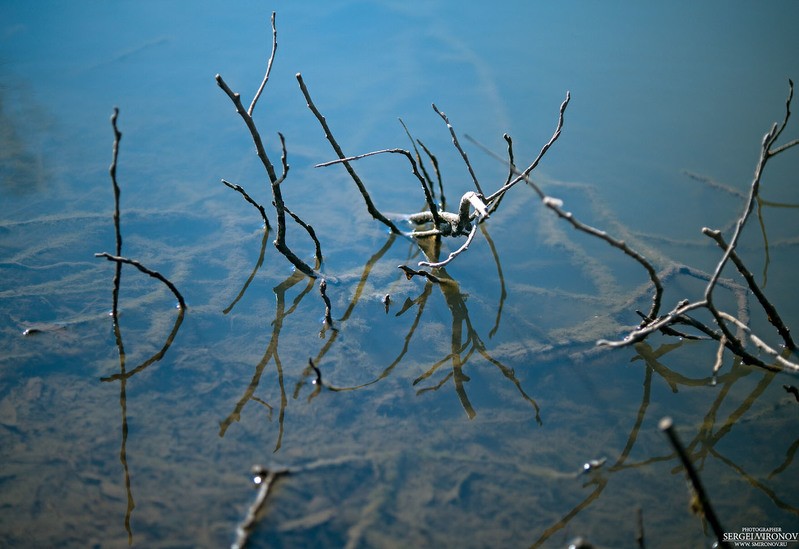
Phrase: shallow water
(461, 416)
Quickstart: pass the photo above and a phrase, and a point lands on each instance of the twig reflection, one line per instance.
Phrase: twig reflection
(125, 374)
(703, 445)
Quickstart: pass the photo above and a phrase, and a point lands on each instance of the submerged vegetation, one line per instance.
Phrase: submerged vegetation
(698, 319)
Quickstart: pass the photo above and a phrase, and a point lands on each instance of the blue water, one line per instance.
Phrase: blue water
(463, 414)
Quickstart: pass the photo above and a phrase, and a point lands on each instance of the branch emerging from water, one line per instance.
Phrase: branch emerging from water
(264, 479)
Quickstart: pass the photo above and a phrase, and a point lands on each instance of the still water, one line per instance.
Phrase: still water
(461, 414)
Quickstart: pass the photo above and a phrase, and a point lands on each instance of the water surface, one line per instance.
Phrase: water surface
(463, 415)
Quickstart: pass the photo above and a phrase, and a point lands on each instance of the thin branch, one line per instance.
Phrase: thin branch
(248, 198)
(765, 153)
(785, 119)
(454, 254)
(311, 233)
(555, 205)
(145, 270)
(256, 136)
(433, 210)
(268, 67)
(264, 479)
(434, 160)
(117, 230)
(667, 426)
(323, 291)
(277, 197)
(511, 171)
(460, 149)
(770, 310)
(426, 182)
(522, 176)
(759, 343)
(329, 136)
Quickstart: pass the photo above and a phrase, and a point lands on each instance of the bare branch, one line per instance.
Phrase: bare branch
(460, 149)
(771, 311)
(522, 176)
(323, 291)
(264, 479)
(760, 344)
(117, 229)
(248, 198)
(434, 213)
(145, 270)
(256, 136)
(329, 136)
(426, 182)
(454, 254)
(556, 205)
(311, 233)
(667, 426)
(268, 67)
(434, 160)
(277, 197)
(785, 119)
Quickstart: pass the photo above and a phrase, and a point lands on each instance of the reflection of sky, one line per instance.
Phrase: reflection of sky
(499, 66)
(657, 89)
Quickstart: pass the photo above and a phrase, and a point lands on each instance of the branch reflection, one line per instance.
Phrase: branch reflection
(123, 376)
(709, 433)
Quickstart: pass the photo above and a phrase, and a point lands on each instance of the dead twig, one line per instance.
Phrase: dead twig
(117, 229)
(333, 143)
(145, 270)
(770, 310)
(460, 149)
(239, 189)
(264, 479)
(667, 426)
(274, 179)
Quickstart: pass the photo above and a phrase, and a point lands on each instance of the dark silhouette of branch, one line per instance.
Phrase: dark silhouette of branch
(145, 270)
(434, 161)
(522, 176)
(117, 230)
(323, 291)
(460, 149)
(268, 68)
(427, 183)
(771, 311)
(333, 143)
(311, 233)
(249, 280)
(732, 342)
(277, 195)
(274, 179)
(667, 426)
(264, 479)
(248, 198)
(428, 197)
(766, 152)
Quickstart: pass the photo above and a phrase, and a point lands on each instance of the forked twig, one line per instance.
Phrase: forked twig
(274, 179)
